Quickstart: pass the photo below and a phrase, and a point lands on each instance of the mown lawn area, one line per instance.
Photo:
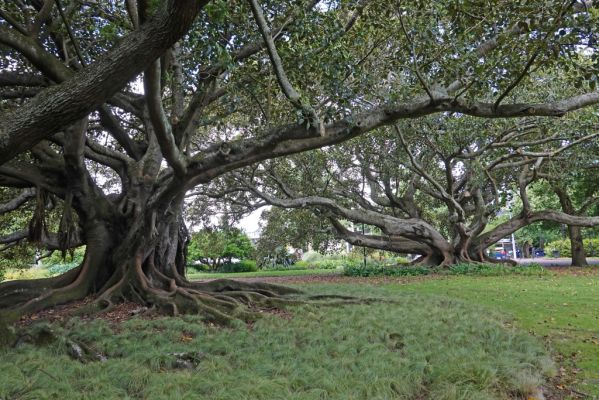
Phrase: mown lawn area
(562, 309)
(410, 346)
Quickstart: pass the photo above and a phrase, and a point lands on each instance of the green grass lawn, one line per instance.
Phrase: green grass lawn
(298, 272)
(418, 346)
(562, 309)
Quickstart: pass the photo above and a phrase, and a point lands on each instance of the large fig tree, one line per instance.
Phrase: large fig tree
(423, 191)
(226, 85)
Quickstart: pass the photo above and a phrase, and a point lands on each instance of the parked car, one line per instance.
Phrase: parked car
(500, 253)
(539, 253)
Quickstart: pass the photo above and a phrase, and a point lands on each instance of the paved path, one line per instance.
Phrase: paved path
(555, 262)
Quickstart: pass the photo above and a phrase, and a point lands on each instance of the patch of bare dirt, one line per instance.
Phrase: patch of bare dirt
(576, 271)
(561, 387)
(120, 313)
(278, 312)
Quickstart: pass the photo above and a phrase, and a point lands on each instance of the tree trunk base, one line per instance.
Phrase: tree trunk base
(220, 301)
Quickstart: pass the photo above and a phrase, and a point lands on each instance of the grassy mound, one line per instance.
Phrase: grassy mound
(421, 346)
(560, 308)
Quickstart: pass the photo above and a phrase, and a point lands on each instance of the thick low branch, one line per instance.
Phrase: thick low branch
(396, 244)
(162, 126)
(63, 104)
(409, 228)
(296, 138)
(48, 241)
(11, 78)
(22, 198)
(493, 236)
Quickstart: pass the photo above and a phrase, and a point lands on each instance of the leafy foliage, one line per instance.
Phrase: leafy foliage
(240, 266)
(216, 246)
(57, 269)
(73, 257)
(563, 248)
(282, 228)
(374, 269)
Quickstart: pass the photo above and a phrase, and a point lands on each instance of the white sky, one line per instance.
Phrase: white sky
(250, 223)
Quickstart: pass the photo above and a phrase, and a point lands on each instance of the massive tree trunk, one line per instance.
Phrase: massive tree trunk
(574, 232)
(139, 258)
(577, 246)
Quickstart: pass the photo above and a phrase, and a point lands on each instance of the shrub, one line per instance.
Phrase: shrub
(311, 256)
(75, 256)
(283, 267)
(241, 266)
(58, 269)
(493, 269)
(591, 247)
(195, 268)
(313, 260)
(325, 264)
(374, 269)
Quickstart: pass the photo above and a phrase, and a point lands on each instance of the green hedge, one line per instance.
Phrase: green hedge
(591, 248)
(329, 262)
(374, 269)
(320, 264)
(493, 269)
(283, 267)
(241, 266)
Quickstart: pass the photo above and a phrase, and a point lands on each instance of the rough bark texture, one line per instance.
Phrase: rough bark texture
(139, 259)
(574, 232)
(577, 247)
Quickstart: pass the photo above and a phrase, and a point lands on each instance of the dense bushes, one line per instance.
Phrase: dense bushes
(313, 260)
(283, 267)
(232, 267)
(374, 269)
(591, 248)
(240, 266)
(217, 247)
(320, 264)
(70, 257)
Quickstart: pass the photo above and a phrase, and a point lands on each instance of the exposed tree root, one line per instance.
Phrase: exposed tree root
(162, 290)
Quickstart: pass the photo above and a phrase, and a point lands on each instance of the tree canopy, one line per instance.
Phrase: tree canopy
(216, 246)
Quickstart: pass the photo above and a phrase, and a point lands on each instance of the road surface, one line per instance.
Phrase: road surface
(555, 262)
